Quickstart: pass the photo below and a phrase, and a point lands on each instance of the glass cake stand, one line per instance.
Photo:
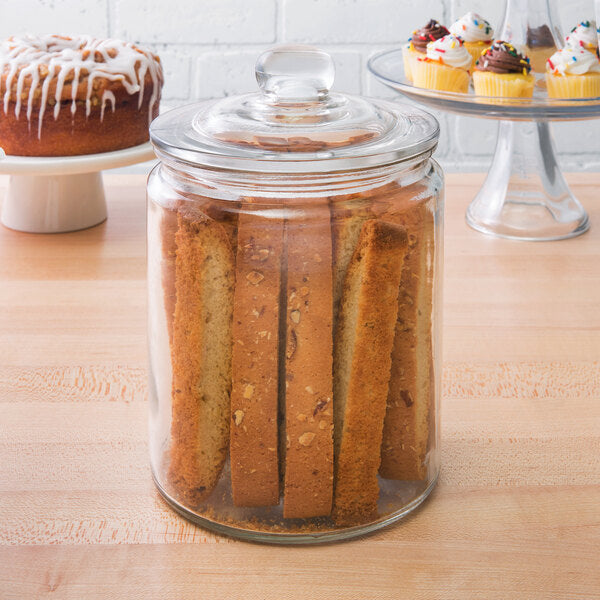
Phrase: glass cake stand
(62, 193)
(525, 195)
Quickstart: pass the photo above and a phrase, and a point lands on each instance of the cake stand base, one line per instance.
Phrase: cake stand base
(56, 194)
(525, 195)
(54, 203)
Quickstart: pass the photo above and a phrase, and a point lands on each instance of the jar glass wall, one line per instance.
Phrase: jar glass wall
(295, 350)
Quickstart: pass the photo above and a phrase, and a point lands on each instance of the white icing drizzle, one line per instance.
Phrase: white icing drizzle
(107, 95)
(39, 61)
(9, 78)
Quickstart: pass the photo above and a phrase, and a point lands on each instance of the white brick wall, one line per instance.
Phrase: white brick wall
(54, 16)
(354, 21)
(209, 47)
(203, 22)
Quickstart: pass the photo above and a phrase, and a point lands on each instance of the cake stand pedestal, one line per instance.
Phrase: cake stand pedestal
(525, 195)
(60, 194)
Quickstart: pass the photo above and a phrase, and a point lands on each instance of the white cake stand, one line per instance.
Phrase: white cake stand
(63, 193)
(525, 195)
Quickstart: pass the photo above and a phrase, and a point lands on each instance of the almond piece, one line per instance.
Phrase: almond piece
(292, 343)
(306, 438)
(255, 277)
(263, 254)
(238, 417)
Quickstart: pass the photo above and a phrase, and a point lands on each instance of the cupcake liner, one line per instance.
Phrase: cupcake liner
(408, 58)
(436, 76)
(476, 48)
(509, 85)
(573, 86)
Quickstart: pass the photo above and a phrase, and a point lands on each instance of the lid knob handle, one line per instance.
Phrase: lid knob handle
(295, 73)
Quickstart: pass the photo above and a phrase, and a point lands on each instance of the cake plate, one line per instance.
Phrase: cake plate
(525, 195)
(62, 193)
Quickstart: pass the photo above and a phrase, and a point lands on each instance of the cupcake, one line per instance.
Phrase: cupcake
(573, 73)
(445, 66)
(540, 47)
(503, 71)
(417, 44)
(475, 32)
(584, 35)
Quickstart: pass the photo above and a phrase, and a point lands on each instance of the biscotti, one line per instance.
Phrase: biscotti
(254, 395)
(308, 411)
(347, 217)
(168, 231)
(226, 213)
(201, 355)
(363, 344)
(408, 425)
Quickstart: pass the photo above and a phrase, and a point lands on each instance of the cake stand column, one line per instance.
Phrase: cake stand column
(54, 203)
(525, 195)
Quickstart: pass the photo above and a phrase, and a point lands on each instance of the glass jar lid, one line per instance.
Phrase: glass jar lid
(294, 123)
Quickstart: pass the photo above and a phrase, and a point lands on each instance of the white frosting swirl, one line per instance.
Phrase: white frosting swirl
(472, 28)
(573, 61)
(450, 51)
(585, 35)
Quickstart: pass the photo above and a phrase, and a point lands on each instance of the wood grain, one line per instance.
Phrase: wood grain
(515, 514)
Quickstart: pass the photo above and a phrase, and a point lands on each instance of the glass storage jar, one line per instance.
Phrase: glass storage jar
(294, 272)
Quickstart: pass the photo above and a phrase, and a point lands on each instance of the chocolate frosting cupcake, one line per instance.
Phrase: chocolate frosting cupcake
(540, 37)
(502, 58)
(431, 32)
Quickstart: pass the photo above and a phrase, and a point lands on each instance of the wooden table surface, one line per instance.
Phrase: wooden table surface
(516, 513)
